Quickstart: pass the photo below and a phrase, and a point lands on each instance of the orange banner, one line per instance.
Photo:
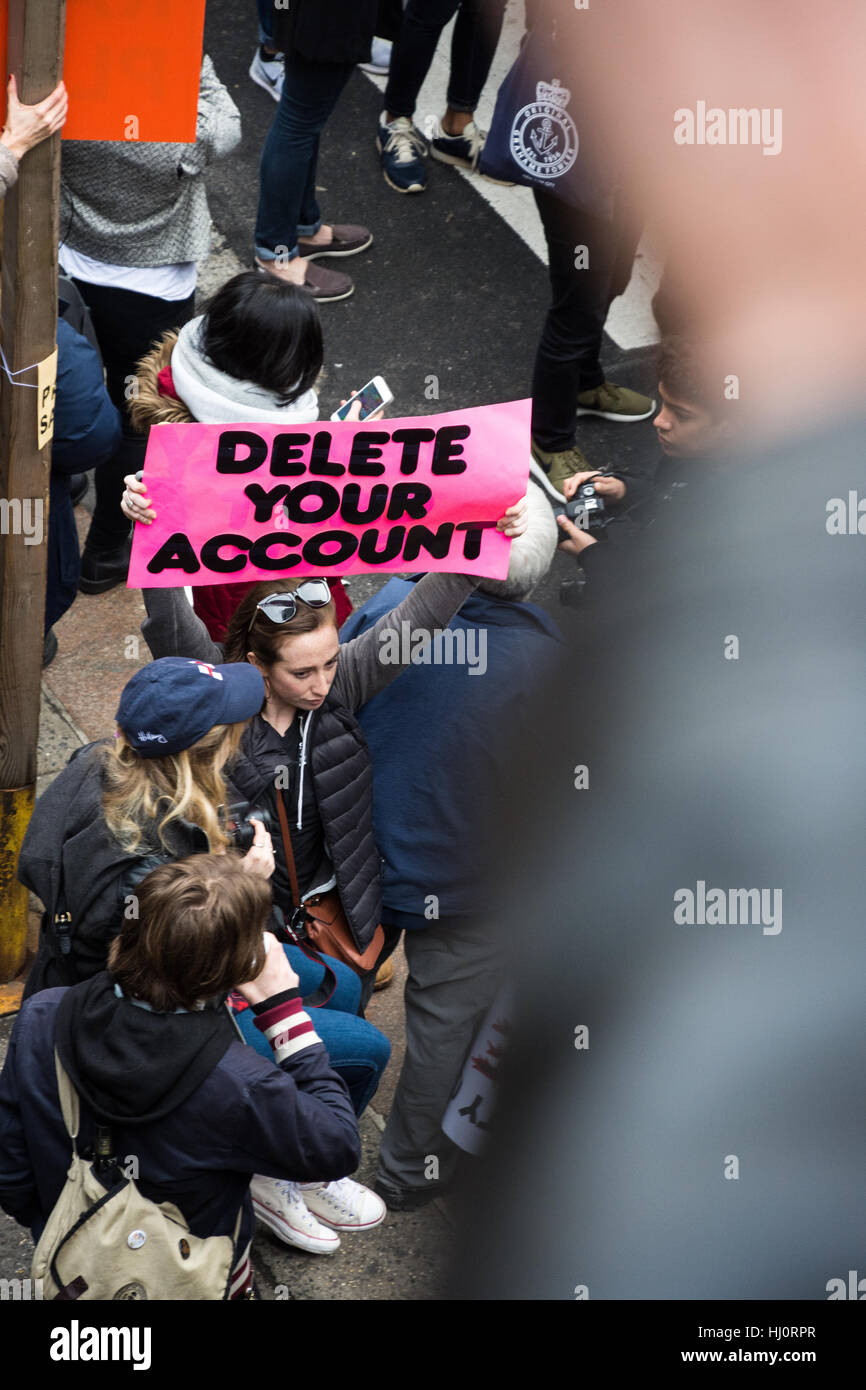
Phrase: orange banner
(132, 71)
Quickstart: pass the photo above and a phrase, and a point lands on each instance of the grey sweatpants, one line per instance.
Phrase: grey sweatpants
(454, 973)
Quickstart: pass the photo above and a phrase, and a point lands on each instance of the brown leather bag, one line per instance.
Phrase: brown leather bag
(325, 925)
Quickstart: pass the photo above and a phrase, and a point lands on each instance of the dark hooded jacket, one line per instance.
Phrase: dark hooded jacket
(86, 433)
(198, 1110)
(338, 31)
(70, 860)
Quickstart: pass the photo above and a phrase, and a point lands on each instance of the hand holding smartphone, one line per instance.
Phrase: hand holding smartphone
(373, 397)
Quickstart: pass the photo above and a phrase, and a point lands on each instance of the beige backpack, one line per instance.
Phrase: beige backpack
(114, 1243)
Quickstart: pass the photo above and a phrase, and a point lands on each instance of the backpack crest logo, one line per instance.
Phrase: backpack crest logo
(543, 135)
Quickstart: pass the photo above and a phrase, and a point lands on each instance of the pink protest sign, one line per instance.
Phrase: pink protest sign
(246, 502)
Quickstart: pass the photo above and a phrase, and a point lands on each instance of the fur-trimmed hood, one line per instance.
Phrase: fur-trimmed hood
(206, 393)
(150, 407)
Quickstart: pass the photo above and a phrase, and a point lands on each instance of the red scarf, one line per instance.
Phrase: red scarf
(165, 381)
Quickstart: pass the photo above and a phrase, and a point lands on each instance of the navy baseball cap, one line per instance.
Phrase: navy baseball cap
(172, 703)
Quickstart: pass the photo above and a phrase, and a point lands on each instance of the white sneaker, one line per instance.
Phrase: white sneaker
(278, 1204)
(269, 72)
(344, 1204)
(380, 57)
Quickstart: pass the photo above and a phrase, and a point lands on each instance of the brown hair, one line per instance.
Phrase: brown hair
(186, 785)
(682, 372)
(251, 631)
(198, 932)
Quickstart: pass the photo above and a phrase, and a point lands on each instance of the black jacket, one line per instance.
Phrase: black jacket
(326, 31)
(71, 862)
(199, 1110)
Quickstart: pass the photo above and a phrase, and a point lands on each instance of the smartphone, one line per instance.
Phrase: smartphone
(372, 397)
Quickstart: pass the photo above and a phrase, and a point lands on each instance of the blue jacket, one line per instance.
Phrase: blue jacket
(247, 1116)
(86, 432)
(439, 738)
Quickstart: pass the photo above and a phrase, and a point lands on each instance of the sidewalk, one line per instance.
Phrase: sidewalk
(100, 647)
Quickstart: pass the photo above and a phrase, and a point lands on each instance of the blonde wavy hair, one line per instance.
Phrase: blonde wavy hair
(181, 786)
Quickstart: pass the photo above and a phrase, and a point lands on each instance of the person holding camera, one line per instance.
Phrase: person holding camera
(205, 1114)
(694, 428)
(118, 809)
(158, 794)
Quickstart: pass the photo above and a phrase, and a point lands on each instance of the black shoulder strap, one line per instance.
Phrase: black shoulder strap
(58, 923)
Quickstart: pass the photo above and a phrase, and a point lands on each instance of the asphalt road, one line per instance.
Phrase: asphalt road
(448, 288)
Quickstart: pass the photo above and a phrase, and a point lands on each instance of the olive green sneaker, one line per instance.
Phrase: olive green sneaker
(551, 470)
(615, 403)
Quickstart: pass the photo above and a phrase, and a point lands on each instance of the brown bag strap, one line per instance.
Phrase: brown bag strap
(321, 995)
(287, 848)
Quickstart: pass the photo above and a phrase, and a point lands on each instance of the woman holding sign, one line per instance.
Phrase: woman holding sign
(254, 356)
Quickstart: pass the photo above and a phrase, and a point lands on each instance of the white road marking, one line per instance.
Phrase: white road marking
(630, 322)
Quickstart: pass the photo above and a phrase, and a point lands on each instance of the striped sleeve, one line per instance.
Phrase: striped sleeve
(286, 1024)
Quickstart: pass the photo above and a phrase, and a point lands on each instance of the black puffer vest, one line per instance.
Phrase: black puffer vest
(339, 761)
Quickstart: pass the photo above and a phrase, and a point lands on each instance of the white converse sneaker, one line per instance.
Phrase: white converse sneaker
(278, 1204)
(344, 1204)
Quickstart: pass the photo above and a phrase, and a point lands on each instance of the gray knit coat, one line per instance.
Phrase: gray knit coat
(8, 171)
(144, 204)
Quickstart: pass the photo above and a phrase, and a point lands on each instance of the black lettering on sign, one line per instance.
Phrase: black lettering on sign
(230, 441)
(436, 543)
(314, 550)
(319, 461)
(356, 515)
(260, 551)
(411, 441)
(409, 499)
(224, 564)
(365, 448)
(393, 540)
(264, 502)
(329, 501)
(446, 450)
(174, 554)
(286, 460)
(472, 539)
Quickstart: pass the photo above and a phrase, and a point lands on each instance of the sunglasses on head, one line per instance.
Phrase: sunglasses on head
(281, 608)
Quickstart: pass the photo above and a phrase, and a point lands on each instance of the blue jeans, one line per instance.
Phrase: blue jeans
(266, 12)
(359, 1053)
(287, 187)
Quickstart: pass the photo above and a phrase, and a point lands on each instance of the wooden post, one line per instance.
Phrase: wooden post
(28, 325)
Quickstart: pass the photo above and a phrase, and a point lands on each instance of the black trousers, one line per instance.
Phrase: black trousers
(583, 283)
(127, 325)
(473, 44)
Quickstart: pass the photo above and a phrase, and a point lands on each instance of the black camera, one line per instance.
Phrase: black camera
(585, 508)
(239, 827)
